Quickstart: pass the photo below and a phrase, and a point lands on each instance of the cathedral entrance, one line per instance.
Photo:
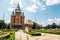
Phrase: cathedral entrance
(18, 27)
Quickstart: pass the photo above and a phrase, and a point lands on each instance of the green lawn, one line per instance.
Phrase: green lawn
(12, 33)
(33, 33)
(51, 31)
(12, 36)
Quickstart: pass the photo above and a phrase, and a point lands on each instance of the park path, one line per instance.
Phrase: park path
(20, 35)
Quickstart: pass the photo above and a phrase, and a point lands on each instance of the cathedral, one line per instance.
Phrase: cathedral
(17, 19)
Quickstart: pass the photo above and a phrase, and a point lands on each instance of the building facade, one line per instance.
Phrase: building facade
(17, 19)
(29, 26)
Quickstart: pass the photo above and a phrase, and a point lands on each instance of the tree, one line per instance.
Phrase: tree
(54, 25)
(36, 25)
(49, 26)
(7, 26)
(2, 24)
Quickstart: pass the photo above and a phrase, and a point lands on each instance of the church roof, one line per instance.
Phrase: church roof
(18, 8)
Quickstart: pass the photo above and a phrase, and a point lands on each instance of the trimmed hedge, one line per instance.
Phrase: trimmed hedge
(33, 33)
(11, 34)
(51, 31)
(5, 36)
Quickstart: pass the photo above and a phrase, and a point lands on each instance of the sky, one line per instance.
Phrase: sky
(41, 11)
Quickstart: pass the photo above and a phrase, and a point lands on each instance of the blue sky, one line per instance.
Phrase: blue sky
(44, 11)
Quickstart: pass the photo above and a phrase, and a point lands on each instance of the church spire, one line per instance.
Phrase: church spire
(18, 7)
(13, 13)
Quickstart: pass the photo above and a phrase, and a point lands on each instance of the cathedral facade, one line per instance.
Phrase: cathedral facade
(17, 19)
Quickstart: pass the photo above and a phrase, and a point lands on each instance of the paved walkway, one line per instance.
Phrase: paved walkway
(20, 35)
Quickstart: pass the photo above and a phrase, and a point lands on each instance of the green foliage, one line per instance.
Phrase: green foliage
(12, 33)
(4, 35)
(36, 25)
(32, 32)
(4, 25)
(7, 26)
(49, 26)
(12, 36)
(50, 31)
(52, 26)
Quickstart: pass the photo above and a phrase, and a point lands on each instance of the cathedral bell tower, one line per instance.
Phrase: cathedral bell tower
(17, 19)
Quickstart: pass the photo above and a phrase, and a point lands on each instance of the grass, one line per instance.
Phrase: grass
(51, 31)
(33, 33)
(1, 33)
(12, 36)
(12, 33)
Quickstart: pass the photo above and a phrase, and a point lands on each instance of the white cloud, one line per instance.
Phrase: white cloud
(7, 21)
(43, 7)
(16, 2)
(56, 20)
(38, 3)
(32, 8)
(52, 2)
(10, 9)
(13, 1)
(33, 1)
(50, 21)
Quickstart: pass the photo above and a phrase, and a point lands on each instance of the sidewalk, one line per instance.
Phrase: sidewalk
(20, 35)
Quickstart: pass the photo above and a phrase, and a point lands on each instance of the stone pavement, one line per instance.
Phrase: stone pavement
(20, 35)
